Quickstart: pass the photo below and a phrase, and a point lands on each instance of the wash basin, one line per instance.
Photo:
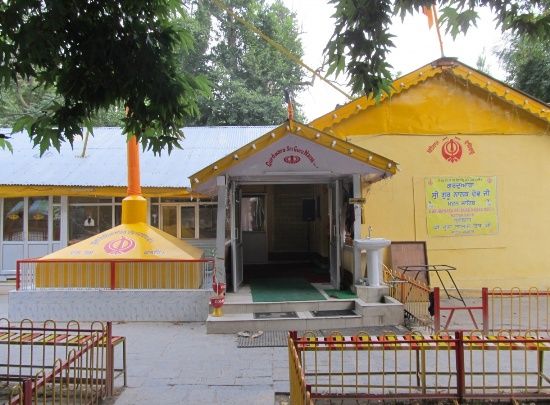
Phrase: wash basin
(372, 243)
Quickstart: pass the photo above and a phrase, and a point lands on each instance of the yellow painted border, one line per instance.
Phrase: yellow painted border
(452, 66)
(302, 130)
(47, 190)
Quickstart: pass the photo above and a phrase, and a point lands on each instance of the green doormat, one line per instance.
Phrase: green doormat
(283, 289)
(341, 294)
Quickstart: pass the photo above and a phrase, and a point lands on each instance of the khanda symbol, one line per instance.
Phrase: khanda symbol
(119, 246)
(451, 151)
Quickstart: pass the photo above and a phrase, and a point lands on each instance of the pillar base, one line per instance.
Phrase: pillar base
(372, 294)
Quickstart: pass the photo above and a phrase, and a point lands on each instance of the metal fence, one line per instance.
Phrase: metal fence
(35, 274)
(417, 367)
(413, 294)
(516, 311)
(496, 311)
(48, 363)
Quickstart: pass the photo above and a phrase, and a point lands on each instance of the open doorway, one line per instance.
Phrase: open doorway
(286, 232)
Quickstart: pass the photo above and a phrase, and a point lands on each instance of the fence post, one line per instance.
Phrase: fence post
(27, 392)
(459, 352)
(17, 276)
(485, 309)
(110, 361)
(113, 275)
(437, 310)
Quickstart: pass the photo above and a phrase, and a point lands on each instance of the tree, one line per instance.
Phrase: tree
(95, 55)
(247, 75)
(527, 64)
(99, 54)
(362, 36)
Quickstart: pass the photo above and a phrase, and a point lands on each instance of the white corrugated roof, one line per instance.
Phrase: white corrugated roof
(105, 161)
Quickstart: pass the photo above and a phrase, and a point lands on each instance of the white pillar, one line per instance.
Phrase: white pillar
(64, 223)
(357, 193)
(374, 267)
(220, 229)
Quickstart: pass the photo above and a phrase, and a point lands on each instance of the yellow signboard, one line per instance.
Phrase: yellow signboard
(461, 206)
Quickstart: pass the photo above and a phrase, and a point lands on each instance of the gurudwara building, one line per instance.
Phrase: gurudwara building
(454, 159)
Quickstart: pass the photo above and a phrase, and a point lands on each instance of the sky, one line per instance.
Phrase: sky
(415, 46)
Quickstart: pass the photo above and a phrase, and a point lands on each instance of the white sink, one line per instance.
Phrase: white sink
(372, 243)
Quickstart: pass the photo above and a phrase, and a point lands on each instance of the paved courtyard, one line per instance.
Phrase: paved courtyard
(178, 363)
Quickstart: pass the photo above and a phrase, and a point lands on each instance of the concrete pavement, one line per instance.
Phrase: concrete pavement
(178, 363)
(181, 364)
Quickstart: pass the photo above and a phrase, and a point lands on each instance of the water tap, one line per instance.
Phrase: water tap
(370, 230)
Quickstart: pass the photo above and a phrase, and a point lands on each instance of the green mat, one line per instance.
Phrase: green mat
(341, 294)
(283, 289)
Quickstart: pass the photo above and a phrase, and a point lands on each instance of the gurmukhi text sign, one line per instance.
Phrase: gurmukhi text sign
(461, 206)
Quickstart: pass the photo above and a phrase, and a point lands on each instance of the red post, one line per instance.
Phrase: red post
(459, 352)
(485, 309)
(110, 361)
(437, 310)
(17, 276)
(293, 335)
(27, 392)
(113, 275)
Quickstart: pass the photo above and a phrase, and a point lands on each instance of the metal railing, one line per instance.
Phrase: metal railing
(517, 311)
(46, 363)
(413, 294)
(417, 367)
(35, 274)
(496, 311)
(450, 318)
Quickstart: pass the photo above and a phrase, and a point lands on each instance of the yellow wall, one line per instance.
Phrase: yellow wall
(509, 144)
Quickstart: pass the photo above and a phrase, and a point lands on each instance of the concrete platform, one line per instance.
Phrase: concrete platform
(239, 309)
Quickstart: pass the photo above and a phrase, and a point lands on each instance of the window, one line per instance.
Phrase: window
(185, 220)
(14, 218)
(207, 221)
(253, 213)
(170, 220)
(90, 216)
(56, 222)
(38, 219)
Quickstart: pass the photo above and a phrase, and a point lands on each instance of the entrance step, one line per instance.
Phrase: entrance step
(286, 306)
(305, 315)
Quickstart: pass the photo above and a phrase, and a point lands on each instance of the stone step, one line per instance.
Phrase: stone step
(364, 314)
(297, 306)
(233, 323)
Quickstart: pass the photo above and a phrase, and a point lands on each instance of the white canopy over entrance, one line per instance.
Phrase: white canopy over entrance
(292, 153)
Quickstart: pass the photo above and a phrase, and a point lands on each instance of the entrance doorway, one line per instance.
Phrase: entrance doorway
(286, 232)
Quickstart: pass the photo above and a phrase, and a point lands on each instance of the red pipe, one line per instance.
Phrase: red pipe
(17, 277)
(437, 310)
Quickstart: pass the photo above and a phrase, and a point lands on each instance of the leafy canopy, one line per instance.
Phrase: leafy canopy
(96, 54)
(248, 76)
(527, 64)
(362, 37)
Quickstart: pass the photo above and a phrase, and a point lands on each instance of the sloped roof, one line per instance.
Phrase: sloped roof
(449, 66)
(383, 164)
(105, 162)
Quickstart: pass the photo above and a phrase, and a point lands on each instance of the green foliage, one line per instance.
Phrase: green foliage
(362, 38)
(247, 75)
(95, 55)
(527, 63)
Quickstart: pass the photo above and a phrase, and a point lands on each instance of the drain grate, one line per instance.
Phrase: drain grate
(274, 338)
(334, 312)
(275, 315)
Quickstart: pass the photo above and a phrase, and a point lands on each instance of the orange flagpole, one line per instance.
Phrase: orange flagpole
(134, 182)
